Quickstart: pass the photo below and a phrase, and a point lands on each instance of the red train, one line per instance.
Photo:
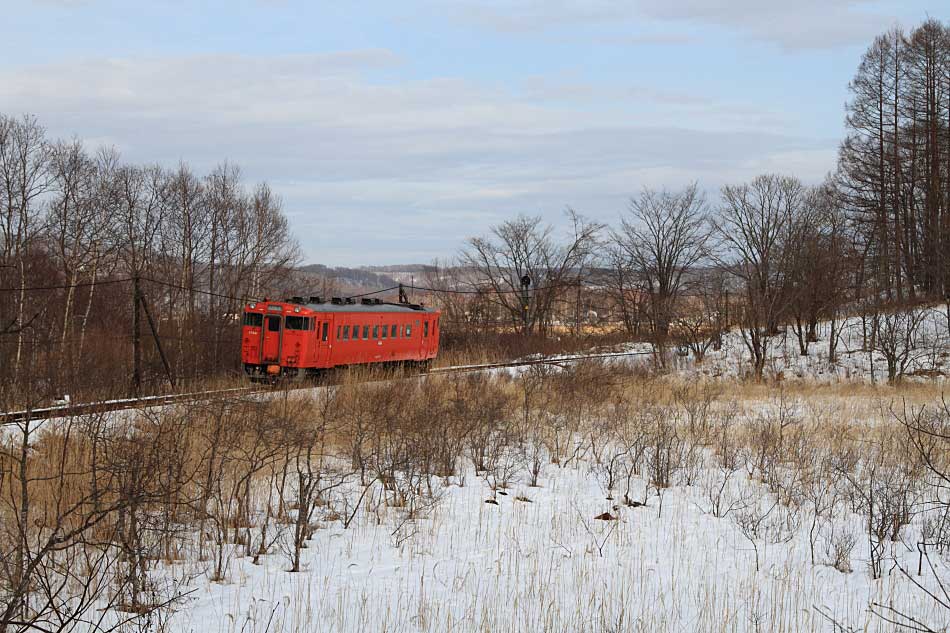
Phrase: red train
(297, 338)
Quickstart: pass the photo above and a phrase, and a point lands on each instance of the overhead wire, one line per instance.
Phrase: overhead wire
(374, 292)
(499, 291)
(104, 282)
(175, 286)
(200, 291)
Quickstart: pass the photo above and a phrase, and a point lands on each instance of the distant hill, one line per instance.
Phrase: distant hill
(402, 268)
(350, 278)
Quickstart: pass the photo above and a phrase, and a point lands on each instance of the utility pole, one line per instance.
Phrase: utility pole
(136, 338)
(577, 308)
(158, 342)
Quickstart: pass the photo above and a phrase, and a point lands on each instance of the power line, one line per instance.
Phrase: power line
(375, 292)
(199, 291)
(107, 282)
(68, 286)
(251, 298)
(495, 290)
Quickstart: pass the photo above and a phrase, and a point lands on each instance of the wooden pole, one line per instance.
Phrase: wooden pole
(136, 339)
(158, 343)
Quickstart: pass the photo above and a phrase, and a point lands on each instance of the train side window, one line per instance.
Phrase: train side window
(375, 331)
(394, 332)
(425, 329)
(297, 323)
(326, 330)
(365, 332)
(253, 319)
(385, 331)
(346, 332)
(408, 330)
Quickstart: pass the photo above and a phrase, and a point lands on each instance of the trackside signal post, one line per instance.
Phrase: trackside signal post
(525, 298)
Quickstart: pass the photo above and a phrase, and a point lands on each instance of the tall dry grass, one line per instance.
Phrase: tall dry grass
(111, 502)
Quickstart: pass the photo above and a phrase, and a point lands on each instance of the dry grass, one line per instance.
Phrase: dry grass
(234, 477)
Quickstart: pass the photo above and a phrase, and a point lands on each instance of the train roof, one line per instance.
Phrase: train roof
(361, 307)
(349, 305)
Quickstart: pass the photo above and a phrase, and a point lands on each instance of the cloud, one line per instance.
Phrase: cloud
(524, 16)
(380, 170)
(806, 24)
(64, 4)
(653, 39)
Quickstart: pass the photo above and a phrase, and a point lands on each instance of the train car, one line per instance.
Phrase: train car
(297, 338)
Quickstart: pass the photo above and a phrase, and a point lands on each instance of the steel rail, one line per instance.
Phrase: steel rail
(70, 410)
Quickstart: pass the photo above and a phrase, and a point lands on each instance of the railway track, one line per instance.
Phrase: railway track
(69, 410)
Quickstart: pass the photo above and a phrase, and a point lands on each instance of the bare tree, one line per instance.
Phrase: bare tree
(900, 340)
(754, 225)
(525, 249)
(624, 287)
(184, 239)
(665, 237)
(24, 179)
(77, 226)
(704, 315)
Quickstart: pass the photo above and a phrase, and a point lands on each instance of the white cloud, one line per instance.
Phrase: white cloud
(522, 16)
(805, 24)
(370, 168)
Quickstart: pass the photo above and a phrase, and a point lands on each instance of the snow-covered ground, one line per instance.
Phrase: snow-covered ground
(539, 560)
(549, 565)
(928, 360)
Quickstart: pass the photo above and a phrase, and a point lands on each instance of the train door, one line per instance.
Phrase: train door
(322, 336)
(426, 336)
(377, 335)
(420, 348)
(270, 344)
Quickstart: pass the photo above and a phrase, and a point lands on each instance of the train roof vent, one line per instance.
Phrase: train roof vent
(350, 301)
(336, 301)
(297, 300)
(366, 301)
(316, 299)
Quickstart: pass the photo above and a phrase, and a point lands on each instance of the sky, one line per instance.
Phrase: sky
(393, 131)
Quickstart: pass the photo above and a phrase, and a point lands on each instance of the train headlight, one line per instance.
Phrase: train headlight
(297, 309)
(252, 306)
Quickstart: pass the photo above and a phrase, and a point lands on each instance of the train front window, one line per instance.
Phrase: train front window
(273, 324)
(253, 319)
